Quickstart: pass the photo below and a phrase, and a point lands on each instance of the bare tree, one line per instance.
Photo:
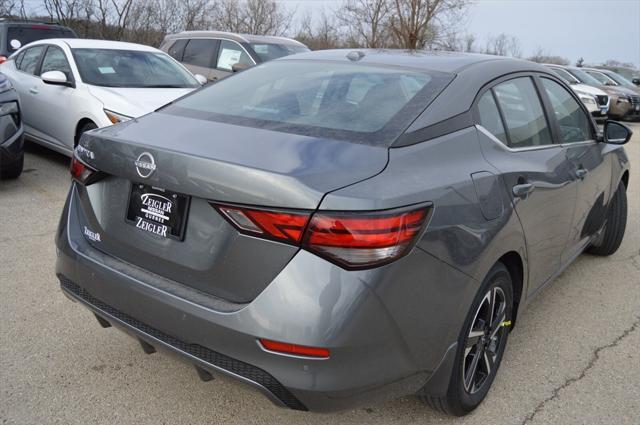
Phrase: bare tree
(541, 56)
(367, 21)
(414, 23)
(503, 45)
(323, 34)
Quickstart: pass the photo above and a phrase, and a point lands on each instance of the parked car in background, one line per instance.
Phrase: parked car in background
(611, 78)
(630, 74)
(595, 100)
(69, 86)
(345, 226)
(11, 132)
(621, 99)
(16, 33)
(217, 54)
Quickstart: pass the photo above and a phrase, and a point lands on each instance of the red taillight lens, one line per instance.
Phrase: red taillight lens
(353, 240)
(356, 240)
(3, 59)
(271, 224)
(296, 350)
(82, 173)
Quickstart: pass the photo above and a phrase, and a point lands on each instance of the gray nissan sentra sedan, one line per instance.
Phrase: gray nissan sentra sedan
(338, 227)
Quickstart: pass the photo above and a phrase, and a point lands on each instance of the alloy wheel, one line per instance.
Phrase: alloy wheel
(483, 341)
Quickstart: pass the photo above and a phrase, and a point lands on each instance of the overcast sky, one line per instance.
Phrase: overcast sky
(596, 30)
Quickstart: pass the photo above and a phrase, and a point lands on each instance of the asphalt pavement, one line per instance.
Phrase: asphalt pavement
(574, 357)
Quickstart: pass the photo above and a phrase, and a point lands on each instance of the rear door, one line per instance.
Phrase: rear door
(199, 56)
(588, 163)
(534, 169)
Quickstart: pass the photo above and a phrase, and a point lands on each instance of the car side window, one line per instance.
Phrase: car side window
(523, 114)
(18, 58)
(230, 54)
(30, 59)
(199, 52)
(490, 116)
(55, 60)
(573, 121)
(177, 49)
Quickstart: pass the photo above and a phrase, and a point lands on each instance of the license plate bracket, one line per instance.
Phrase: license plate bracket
(157, 211)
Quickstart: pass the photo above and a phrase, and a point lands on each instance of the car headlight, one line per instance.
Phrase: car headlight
(5, 85)
(588, 100)
(624, 99)
(115, 117)
(9, 108)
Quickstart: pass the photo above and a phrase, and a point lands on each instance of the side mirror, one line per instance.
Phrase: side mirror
(56, 78)
(616, 133)
(201, 79)
(237, 67)
(15, 44)
(636, 81)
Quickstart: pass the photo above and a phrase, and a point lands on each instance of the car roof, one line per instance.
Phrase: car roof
(242, 38)
(440, 61)
(84, 43)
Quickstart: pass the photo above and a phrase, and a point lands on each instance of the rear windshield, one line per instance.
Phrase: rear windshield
(360, 103)
(26, 34)
(270, 51)
(131, 68)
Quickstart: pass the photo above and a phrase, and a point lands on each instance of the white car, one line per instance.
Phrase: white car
(596, 101)
(69, 86)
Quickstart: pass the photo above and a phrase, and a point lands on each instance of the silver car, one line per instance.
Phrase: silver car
(69, 86)
(339, 227)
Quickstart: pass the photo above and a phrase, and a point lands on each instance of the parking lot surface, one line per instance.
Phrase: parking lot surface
(573, 358)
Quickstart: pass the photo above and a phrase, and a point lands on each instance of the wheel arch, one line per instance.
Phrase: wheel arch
(79, 126)
(625, 179)
(514, 264)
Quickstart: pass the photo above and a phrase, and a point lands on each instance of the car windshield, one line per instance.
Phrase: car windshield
(130, 68)
(584, 77)
(270, 51)
(566, 76)
(25, 34)
(343, 101)
(603, 79)
(621, 80)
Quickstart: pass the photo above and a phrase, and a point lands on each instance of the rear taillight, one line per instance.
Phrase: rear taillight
(357, 240)
(353, 240)
(3, 59)
(82, 173)
(285, 226)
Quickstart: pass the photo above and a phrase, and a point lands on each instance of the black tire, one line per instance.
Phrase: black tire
(464, 396)
(12, 169)
(614, 227)
(88, 126)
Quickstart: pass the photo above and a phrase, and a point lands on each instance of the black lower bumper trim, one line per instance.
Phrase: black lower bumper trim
(237, 367)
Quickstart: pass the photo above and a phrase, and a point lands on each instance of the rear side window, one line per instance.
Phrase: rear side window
(26, 34)
(177, 49)
(367, 104)
(200, 52)
(18, 58)
(230, 54)
(30, 59)
(523, 113)
(573, 121)
(490, 116)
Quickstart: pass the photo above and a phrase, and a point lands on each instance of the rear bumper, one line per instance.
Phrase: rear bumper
(384, 341)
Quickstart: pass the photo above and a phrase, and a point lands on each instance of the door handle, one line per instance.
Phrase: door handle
(581, 173)
(523, 190)
(33, 90)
